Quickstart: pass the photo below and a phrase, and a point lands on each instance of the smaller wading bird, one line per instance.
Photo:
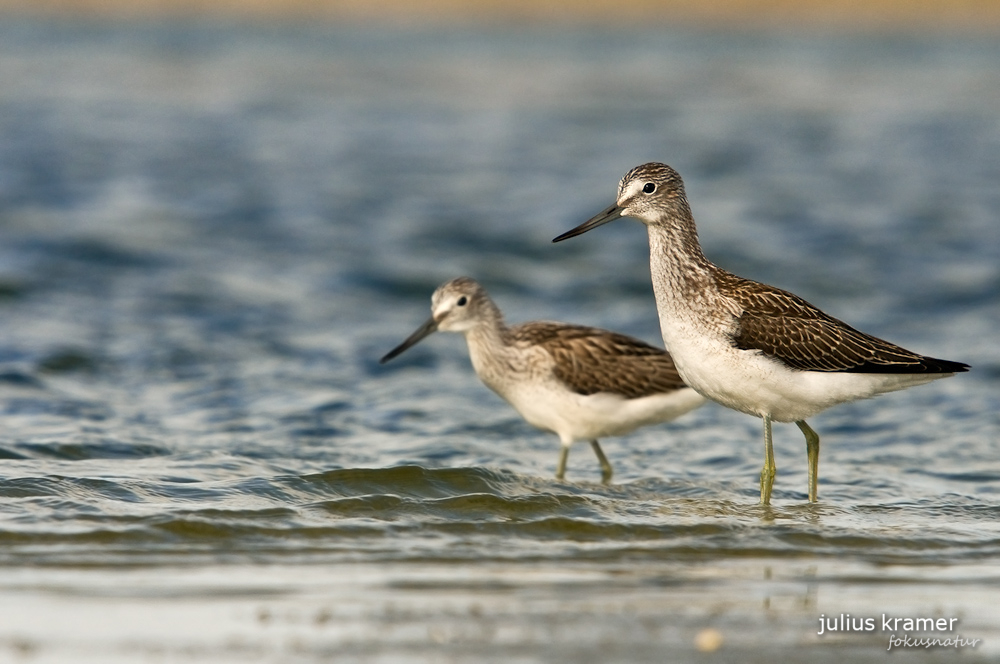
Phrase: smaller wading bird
(581, 383)
(749, 346)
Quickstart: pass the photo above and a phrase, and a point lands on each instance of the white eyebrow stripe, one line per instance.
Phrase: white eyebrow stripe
(634, 187)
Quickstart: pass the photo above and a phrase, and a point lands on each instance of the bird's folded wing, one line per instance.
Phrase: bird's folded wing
(787, 328)
(590, 360)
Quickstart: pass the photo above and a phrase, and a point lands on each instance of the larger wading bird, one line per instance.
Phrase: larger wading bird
(749, 346)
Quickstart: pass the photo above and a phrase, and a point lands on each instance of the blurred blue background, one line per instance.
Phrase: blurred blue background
(209, 233)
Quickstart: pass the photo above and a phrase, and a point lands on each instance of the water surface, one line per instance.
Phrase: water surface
(209, 235)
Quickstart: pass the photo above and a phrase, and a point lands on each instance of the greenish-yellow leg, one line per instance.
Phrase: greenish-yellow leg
(561, 468)
(770, 470)
(606, 470)
(812, 448)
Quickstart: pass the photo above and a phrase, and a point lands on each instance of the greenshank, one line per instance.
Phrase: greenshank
(581, 383)
(749, 346)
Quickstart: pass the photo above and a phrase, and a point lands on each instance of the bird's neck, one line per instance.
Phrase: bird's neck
(678, 268)
(489, 347)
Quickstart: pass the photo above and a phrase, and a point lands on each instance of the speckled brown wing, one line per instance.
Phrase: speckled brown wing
(590, 360)
(789, 329)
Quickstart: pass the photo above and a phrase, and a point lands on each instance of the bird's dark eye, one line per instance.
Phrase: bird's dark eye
(649, 188)
(462, 301)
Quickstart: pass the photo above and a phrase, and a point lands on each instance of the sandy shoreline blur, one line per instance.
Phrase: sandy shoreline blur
(951, 15)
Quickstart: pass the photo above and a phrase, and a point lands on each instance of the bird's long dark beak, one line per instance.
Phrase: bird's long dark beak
(427, 329)
(612, 213)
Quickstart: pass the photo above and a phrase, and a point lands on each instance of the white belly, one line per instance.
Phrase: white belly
(576, 417)
(751, 383)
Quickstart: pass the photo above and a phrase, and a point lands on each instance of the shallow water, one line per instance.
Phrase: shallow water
(209, 235)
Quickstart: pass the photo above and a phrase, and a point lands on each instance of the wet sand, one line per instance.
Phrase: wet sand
(899, 15)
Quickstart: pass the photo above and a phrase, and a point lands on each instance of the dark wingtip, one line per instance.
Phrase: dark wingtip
(947, 366)
(935, 365)
(928, 365)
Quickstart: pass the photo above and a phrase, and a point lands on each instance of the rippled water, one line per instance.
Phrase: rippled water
(209, 235)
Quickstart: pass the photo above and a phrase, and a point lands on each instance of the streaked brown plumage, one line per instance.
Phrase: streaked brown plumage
(589, 360)
(787, 328)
